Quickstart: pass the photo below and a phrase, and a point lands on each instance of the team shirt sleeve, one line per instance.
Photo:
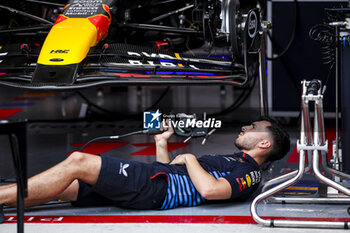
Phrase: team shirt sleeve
(243, 181)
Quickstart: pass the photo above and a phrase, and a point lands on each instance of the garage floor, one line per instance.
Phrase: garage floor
(52, 141)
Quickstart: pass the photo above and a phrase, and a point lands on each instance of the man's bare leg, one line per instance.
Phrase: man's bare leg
(57, 181)
(69, 194)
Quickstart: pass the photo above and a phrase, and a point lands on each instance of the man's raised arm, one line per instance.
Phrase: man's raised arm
(161, 140)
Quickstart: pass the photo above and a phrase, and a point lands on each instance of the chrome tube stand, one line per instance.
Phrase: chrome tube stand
(316, 144)
(285, 176)
(263, 78)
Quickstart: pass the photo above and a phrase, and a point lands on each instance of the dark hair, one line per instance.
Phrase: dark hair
(281, 141)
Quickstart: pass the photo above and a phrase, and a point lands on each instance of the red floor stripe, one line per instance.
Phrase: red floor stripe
(157, 219)
(6, 113)
(99, 147)
(134, 219)
(151, 147)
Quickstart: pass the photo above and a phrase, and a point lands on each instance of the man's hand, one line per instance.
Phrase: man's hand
(168, 131)
(207, 185)
(181, 159)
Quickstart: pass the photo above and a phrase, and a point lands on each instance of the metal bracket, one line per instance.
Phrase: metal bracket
(301, 146)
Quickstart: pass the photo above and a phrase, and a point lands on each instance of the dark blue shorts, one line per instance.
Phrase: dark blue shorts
(126, 184)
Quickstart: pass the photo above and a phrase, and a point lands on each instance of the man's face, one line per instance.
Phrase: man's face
(252, 134)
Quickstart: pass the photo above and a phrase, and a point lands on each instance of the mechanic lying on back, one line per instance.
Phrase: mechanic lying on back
(92, 180)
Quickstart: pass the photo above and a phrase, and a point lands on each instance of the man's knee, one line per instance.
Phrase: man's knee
(76, 158)
(80, 159)
(85, 166)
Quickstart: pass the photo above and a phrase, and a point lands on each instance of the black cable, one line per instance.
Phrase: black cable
(212, 36)
(239, 101)
(289, 70)
(169, 14)
(33, 17)
(24, 29)
(110, 138)
(114, 137)
(327, 79)
(156, 3)
(46, 3)
(159, 99)
(325, 35)
(95, 105)
(242, 99)
(296, 16)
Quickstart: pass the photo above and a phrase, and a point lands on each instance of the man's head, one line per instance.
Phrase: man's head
(265, 136)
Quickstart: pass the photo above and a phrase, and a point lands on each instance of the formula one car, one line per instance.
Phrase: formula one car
(84, 43)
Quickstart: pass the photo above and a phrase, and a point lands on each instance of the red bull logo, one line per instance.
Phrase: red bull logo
(101, 22)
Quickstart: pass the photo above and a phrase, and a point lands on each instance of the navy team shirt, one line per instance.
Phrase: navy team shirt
(240, 170)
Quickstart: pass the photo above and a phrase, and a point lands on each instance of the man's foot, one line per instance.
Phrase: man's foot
(2, 216)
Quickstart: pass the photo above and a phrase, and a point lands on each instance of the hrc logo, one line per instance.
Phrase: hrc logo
(60, 51)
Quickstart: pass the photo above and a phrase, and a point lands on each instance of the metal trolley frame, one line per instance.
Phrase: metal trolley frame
(313, 144)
